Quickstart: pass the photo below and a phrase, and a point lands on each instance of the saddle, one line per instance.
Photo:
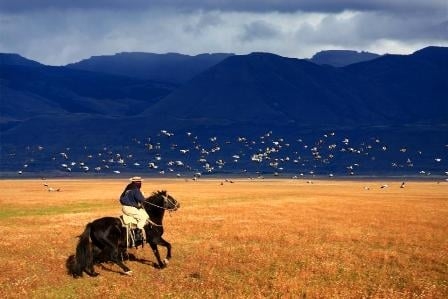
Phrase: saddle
(128, 220)
(133, 234)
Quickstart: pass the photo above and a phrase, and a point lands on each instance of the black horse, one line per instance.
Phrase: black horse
(104, 239)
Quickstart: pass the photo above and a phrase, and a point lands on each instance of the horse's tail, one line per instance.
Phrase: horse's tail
(83, 258)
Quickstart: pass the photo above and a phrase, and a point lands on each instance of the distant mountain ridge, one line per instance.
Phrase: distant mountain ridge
(172, 68)
(269, 89)
(259, 87)
(340, 58)
(16, 59)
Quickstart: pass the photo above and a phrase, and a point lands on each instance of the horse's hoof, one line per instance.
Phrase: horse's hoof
(128, 272)
(166, 262)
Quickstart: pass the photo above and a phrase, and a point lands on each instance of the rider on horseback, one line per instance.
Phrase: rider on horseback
(132, 200)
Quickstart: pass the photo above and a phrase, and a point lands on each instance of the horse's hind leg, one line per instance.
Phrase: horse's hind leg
(124, 254)
(90, 271)
(115, 256)
(95, 258)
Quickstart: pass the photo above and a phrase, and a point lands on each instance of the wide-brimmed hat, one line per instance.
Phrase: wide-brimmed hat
(136, 179)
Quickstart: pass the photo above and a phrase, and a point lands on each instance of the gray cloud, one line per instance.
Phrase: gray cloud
(362, 28)
(203, 21)
(60, 32)
(259, 29)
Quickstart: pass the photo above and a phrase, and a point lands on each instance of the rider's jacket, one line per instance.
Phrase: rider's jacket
(132, 197)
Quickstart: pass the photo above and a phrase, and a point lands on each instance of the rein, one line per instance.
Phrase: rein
(153, 223)
(163, 208)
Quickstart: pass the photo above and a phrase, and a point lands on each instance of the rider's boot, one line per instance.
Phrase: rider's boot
(139, 237)
(143, 235)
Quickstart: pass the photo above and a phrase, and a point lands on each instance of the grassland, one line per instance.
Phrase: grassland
(247, 239)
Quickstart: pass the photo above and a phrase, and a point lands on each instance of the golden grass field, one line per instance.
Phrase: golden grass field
(247, 239)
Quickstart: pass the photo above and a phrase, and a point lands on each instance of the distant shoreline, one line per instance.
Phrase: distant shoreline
(229, 176)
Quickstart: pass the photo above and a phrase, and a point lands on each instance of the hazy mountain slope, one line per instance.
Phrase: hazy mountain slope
(59, 89)
(339, 58)
(171, 67)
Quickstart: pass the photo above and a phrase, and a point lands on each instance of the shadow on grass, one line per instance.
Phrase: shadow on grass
(70, 262)
(133, 258)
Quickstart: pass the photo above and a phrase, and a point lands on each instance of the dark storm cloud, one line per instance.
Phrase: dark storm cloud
(231, 5)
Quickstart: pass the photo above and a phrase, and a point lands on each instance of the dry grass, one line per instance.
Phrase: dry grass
(250, 239)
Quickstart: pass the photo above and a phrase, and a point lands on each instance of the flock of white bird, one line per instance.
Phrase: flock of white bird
(187, 154)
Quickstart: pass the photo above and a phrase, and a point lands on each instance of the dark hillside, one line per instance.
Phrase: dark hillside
(63, 90)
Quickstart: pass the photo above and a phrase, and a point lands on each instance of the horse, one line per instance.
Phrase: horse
(105, 239)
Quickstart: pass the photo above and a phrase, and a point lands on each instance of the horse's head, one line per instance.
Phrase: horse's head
(169, 202)
(164, 201)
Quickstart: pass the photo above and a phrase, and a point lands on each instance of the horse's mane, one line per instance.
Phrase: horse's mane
(155, 194)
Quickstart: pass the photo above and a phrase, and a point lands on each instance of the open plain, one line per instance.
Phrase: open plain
(236, 239)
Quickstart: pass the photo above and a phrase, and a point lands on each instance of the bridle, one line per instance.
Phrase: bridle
(165, 199)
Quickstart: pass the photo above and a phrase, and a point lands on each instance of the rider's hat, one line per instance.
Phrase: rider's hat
(136, 179)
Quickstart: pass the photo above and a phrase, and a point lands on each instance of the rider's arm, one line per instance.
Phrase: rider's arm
(139, 196)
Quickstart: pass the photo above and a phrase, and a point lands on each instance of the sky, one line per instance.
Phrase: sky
(58, 32)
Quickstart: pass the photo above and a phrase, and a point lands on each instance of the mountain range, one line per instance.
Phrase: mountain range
(339, 58)
(267, 89)
(109, 100)
(170, 68)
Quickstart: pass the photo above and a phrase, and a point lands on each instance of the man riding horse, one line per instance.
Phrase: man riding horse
(105, 239)
(132, 200)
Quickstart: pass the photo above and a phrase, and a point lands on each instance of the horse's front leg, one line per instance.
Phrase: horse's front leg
(161, 264)
(166, 244)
